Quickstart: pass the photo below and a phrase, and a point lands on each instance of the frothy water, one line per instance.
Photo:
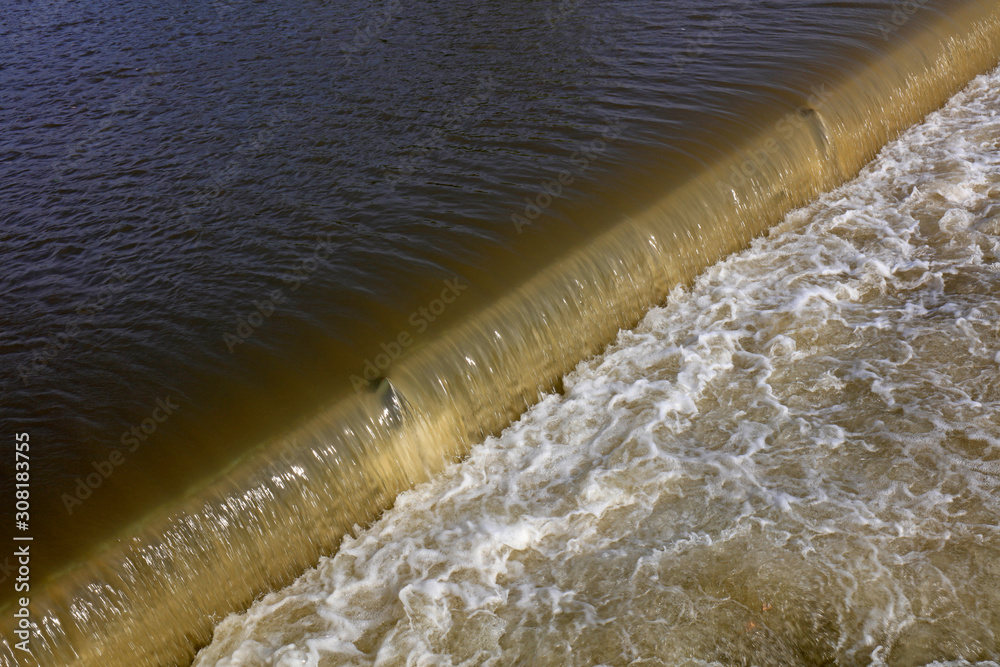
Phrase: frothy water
(795, 461)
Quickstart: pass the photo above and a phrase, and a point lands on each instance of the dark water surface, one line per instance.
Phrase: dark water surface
(217, 216)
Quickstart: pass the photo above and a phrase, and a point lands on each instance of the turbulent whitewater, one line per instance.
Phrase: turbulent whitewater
(795, 461)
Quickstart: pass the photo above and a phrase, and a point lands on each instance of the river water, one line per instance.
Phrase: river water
(269, 263)
(795, 461)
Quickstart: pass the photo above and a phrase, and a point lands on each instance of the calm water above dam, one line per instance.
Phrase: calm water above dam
(269, 263)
